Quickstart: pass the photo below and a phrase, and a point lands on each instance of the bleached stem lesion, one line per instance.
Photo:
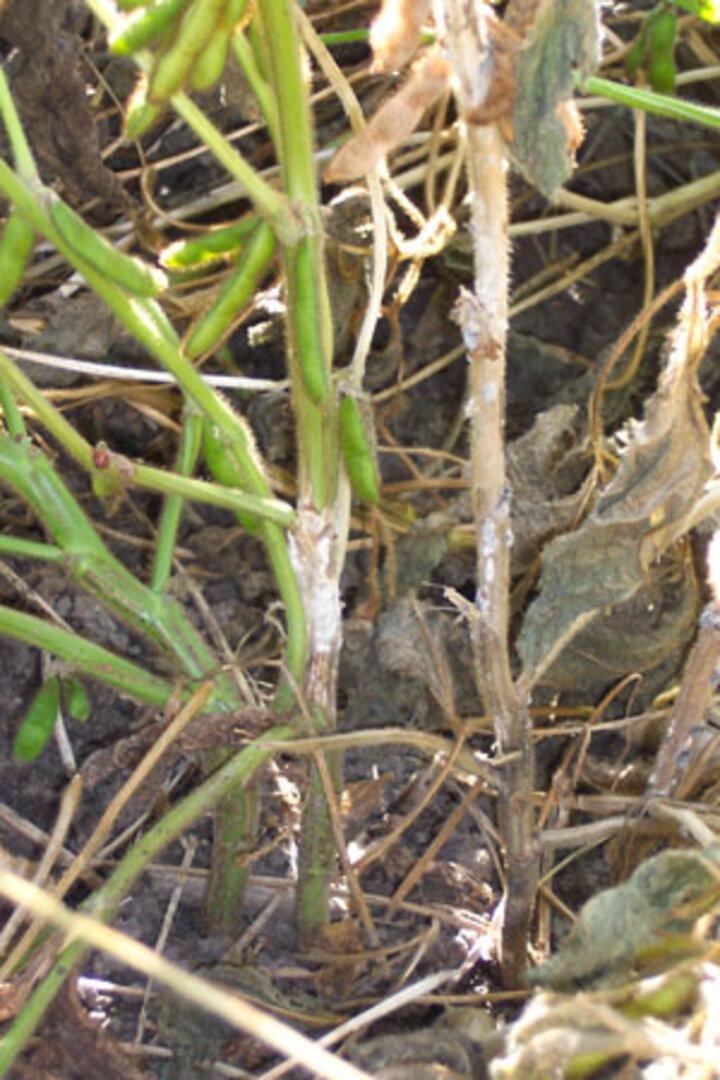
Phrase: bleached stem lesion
(483, 318)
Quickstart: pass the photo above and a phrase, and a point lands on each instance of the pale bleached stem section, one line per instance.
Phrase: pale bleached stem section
(483, 317)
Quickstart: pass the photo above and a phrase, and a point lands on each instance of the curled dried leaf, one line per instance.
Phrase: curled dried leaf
(482, 52)
(394, 121)
(395, 33)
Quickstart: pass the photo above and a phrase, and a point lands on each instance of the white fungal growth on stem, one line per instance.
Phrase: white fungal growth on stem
(311, 552)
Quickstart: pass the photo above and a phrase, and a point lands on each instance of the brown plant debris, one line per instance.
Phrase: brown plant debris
(394, 121)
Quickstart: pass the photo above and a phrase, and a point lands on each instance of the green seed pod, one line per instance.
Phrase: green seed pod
(233, 13)
(16, 244)
(663, 29)
(234, 294)
(76, 699)
(131, 5)
(210, 247)
(357, 442)
(210, 63)
(37, 725)
(147, 27)
(221, 462)
(138, 277)
(173, 66)
(635, 57)
(662, 72)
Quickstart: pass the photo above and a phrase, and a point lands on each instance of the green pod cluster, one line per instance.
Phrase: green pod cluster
(174, 64)
(210, 63)
(147, 27)
(134, 275)
(235, 293)
(357, 441)
(221, 462)
(210, 247)
(16, 244)
(36, 727)
(653, 50)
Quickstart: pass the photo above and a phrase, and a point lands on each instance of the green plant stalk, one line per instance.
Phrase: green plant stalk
(147, 322)
(650, 101)
(86, 657)
(144, 320)
(235, 833)
(185, 461)
(11, 414)
(309, 321)
(149, 325)
(142, 476)
(30, 549)
(309, 336)
(273, 206)
(22, 154)
(94, 567)
(227, 878)
(316, 854)
(105, 902)
(243, 52)
(257, 43)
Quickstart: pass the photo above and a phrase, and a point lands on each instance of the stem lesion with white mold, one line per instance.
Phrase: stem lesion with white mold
(314, 551)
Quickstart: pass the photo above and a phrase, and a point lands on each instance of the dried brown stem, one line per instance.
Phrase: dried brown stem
(483, 319)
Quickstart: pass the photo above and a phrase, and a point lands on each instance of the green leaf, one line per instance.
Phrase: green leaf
(563, 44)
(37, 725)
